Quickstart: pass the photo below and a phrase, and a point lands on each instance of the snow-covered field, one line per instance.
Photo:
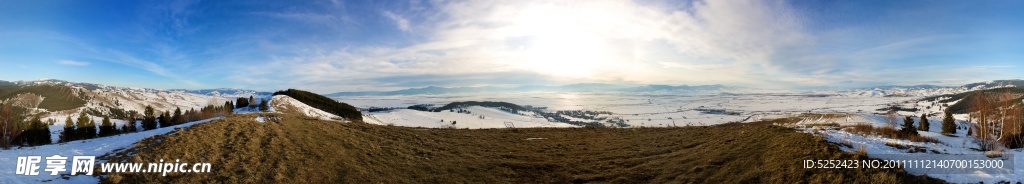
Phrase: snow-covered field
(691, 110)
(480, 117)
(639, 110)
(961, 146)
(90, 147)
(697, 108)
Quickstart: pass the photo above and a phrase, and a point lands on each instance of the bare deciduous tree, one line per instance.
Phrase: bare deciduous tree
(890, 118)
(10, 124)
(1011, 125)
(983, 110)
(26, 100)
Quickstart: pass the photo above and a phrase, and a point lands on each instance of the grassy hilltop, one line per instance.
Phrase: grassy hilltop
(291, 149)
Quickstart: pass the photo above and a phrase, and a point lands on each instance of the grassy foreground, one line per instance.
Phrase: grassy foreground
(298, 150)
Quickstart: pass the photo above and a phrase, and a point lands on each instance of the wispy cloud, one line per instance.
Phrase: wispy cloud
(73, 63)
(596, 41)
(340, 46)
(993, 66)
(400, 22)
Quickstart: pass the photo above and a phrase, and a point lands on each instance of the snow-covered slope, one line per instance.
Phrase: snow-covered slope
(90, 147)
(479, 117)
(908, 91)
(102, 97)
(284, 103)
(960, 146)
(230, 92)
(929, 90)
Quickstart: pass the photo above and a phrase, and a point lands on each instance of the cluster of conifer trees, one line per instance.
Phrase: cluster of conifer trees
(19, 130)
(251, 103)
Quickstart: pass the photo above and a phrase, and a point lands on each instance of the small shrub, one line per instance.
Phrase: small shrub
(888, 132)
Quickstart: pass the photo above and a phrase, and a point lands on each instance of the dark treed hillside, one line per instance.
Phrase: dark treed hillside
(961, 107)
(55, 98)
(323, 103)
(996, 83)
(454, 105)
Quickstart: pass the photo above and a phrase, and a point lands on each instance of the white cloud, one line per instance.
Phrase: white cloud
(731, 42)
(73, 63)
(993, 66)
(604, 41)
(400, 22)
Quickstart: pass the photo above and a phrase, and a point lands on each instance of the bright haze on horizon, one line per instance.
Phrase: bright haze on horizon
(332, 46)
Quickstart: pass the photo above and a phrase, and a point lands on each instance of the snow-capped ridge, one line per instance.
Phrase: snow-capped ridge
(287, 104)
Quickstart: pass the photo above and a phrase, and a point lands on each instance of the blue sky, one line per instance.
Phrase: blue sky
(331, 46)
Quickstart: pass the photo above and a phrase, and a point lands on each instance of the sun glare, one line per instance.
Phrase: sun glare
(561, 42)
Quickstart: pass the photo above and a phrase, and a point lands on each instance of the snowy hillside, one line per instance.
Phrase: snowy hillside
(284, 103)
(958, 146)
(908, 91)
(929, 90)
(230, 93)
(90, 147)
(101, 97)
(479, 117)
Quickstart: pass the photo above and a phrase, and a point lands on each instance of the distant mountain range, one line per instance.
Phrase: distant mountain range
(995, 84)
(583, 87)
(218, 92)
(59, 95)
(230, 92)
(932, 90)
(889, 90)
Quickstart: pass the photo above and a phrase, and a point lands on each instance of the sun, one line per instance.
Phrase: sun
(567, 56)
(561, 41)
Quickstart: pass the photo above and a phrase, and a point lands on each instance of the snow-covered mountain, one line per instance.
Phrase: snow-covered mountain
(930, 90)
(104, 98)
(910, 91)
(230, 92)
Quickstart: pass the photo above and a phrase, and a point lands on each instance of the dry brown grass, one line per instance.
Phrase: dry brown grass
(296, 150)
(888, 132)
(824, 116)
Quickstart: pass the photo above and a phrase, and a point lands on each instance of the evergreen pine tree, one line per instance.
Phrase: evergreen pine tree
(162, 120)
(90, 129)
(176, 118)
(82, 127)
(106, 128)
(129, 126)
(69, 131)
(228, 107)
(263, 105)
(923, 125)
(948, 123)
(252, 102)
(241, 102)
(37, 133)
(149, 119)
(908, 126)
(43, 134)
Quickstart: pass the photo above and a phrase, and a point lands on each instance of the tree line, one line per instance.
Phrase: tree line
(19, 127)
(997, 118)
(251, 103)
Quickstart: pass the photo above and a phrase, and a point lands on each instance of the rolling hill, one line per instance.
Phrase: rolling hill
(291, 149)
